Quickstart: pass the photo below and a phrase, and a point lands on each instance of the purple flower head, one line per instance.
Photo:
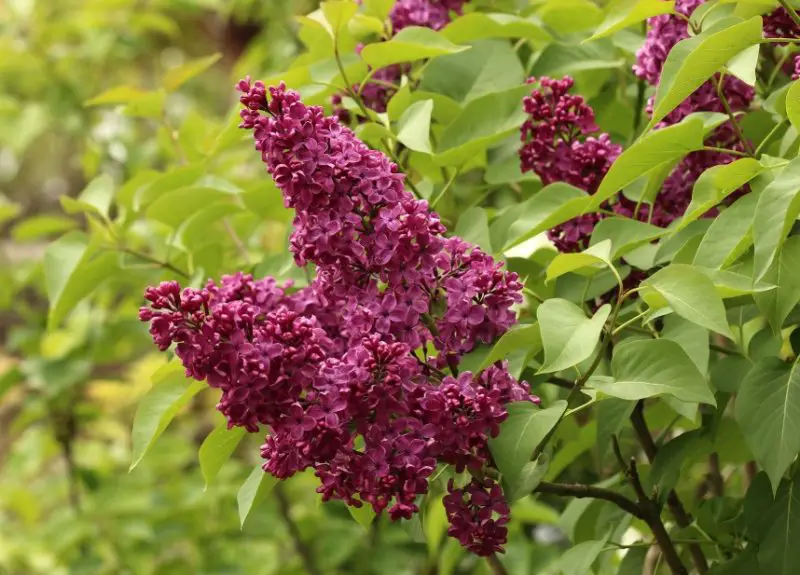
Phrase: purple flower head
(434, 14)
(478, 515)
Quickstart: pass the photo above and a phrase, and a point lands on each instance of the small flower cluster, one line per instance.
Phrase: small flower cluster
(341, 371)
(375, 95)
(557, 147)
(779, 24)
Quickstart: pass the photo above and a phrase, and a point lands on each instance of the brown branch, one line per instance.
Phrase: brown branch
(682, 518)
(300, 546)
(652, 515)
(581, 491)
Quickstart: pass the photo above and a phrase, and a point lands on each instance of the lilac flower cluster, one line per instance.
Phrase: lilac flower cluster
(478, 515)
(434, 14)
(779, 24)
(557, 146)
(664, 32)
(375, 95)
(341, 372)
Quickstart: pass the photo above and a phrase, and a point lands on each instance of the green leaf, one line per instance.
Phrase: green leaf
(648, 153)
(409, 44)
(776, 304)
(568, 336)
(729, 235)
(744, 64)
(579, 559)
(363, 515)
(489, 66)
(253, 491)
(217, 448)
(558, 59)
(612, 415)
(478, 25)
(414, 127)
(520, 337)
(473, 227)
(691, 337)
(694, 60)
(552, 205)
(117, 95)
(337, 14)
(793, 104)
(177, 77)
(175, 207)
(777, 209)
(674, 456)
(94, 199)
(72, 271)
(623, 13)
(768, 412)
(171, 392)
(521, 433)
(483, 122)
(8, 210)
(716, 184)
(654, 367)
(624, 234)
(41, 226)
(690, 293)
(434, 526)
(778, 553)
(594, 257)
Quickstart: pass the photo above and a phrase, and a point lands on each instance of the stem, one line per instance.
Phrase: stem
(582, 491)
(780, 41)
(651, 515)
(734, 123)
(792, 13)
(300, 546)
(237, 241)
(152, 260)
(495, 565)
(768, 138)
(445, 188)
(682, 518)
(530, 293)
(725, 151)
(629, 322)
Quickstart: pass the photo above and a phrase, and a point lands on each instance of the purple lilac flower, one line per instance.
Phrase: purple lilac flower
(557, 147)
(434, 14)
(478, 515)
(331, 369)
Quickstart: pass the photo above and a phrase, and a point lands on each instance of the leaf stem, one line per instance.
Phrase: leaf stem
(791, 11)
(736, 127)
(724, 151)
(152, 260)
(495, 565)
(768, 138)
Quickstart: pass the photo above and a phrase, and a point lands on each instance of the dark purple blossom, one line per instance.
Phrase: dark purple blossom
(478, 515)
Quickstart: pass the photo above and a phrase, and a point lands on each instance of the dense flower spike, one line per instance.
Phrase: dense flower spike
(478, 515)
(557, 147)
(331, 369)
(433, 14)
(375, 95)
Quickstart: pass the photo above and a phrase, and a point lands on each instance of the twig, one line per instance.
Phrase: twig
(300, 546)
(582, 491)
(651, 514)
(736, 127)
(682, 518)
(152, 260)
(768, 138)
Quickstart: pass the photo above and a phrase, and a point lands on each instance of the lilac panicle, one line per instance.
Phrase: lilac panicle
(336, 371)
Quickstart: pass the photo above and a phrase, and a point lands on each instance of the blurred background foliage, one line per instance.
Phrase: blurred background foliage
(126, 100)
